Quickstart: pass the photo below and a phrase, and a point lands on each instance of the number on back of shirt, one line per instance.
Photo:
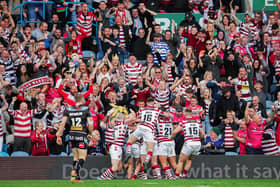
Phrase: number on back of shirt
(167, 131)
(76, 122)
(193, 130)
(147, 116)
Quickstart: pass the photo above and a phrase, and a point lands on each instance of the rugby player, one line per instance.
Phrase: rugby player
(80, 124)
(192, 130)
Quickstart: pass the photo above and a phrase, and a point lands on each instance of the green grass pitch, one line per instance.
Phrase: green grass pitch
(148, 183)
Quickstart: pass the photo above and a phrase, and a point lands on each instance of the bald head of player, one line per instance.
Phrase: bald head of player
(80, 100)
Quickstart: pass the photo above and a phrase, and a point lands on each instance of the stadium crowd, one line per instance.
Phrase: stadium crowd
(226, 70)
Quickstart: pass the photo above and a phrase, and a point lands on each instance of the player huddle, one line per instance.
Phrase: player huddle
(149, 133)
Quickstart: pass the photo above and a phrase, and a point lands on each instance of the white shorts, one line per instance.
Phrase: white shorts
(135, 150)
(116, 152)
(191, 148)
(143, 149)
(144, 133)
(167, 149)
(156, 150)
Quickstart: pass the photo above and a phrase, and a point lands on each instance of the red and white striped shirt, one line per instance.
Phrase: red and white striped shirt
(276, 65)
(243, 85)
(119, 133)
(162, 97)
(22, 122)
(149, 117)
(229, 141)
(182, 89)
(122, 38)
(170, 79)
(1, 125)
(191, 128)
(269, 146)
(164, 129)
(244, 31)
(109, 134)
(132, 72)
(84, 23)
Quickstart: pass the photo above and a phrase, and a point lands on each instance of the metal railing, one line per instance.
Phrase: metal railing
(21, 6)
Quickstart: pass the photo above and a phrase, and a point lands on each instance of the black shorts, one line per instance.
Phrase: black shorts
(78, 144)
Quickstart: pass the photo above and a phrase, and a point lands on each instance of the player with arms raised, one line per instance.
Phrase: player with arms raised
(119, 121)
(80, 125)
(148, 118)
(192, 130)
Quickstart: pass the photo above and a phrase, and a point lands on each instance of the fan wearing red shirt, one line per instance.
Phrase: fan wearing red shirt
(241, 137)
(84, 22)
(39, 139)
(197, 111)
(255, 128)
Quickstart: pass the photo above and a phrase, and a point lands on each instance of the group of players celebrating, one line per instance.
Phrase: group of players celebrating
(150, 135)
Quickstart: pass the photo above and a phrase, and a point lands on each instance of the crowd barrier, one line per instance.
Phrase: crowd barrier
(214, 167)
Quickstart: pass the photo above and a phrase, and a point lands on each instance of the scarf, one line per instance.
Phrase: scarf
(124, 21)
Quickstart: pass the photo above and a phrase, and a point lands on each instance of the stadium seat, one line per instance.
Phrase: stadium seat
(19, 154)
(4, 154)
(61, 154)
(4, 148)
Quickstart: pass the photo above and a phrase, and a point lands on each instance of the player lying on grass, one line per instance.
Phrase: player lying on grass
(192, 130)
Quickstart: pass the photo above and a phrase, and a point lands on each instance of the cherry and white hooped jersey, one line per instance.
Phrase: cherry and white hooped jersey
(243, 85)
(191, 130)
(162, 97)
(1, 125)
(164, 129)
(109, 134)
(170, 79)
(132, 72)
(149, 117)
(182, 89)
(119, 133)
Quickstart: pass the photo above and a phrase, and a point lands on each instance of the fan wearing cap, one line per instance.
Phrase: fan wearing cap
(178, 116)
(213, 142)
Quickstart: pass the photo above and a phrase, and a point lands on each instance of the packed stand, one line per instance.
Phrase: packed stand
(224, 69)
